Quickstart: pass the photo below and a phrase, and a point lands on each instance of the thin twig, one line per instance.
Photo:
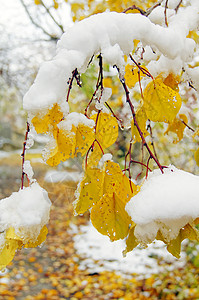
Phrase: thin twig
(99, 84)
(144, 71)
(177, 7)
(187, 125)
(119, 120)
(152, 139)
(70, 82)
(142, 164)
(149, 10)
(23, 154)
(165, 13)
(147, 170)
(136, 123)
(134, 7)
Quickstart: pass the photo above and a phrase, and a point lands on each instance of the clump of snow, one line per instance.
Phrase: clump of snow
(166, 202)
(106, 94)
(75, 119)
(112, 34)
(27, 211)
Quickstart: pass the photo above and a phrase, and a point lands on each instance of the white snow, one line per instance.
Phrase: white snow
(62, 176)
(27, 211)
(75, 119)
(166, 202)
(27, 168)
(98, 253)
(109, 33)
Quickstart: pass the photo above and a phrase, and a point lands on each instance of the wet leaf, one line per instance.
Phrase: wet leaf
(161, 103)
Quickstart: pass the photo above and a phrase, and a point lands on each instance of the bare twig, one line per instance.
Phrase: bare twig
(99, 84)
(144, 71)
(70, 82)
(187, 125)
(119, 120)
(152, 139)
(165, 13)
(177, 7)
(137, 125)
(134, 7)
(23, 154)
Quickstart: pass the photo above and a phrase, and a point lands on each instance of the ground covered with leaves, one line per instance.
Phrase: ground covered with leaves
(53, 271)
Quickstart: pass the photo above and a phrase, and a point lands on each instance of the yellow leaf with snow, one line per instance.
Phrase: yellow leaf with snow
(174, 246)
(141, 119)
(110, 218)
(177, 126)
(106, 129)
(161, 103)
(49, 121)
(14, 242)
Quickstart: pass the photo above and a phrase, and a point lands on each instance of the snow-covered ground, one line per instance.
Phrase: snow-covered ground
(100, 254)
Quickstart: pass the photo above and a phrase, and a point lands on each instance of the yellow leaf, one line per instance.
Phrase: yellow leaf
(56, 5)
(132, 74)
(177, 127)
(37, 2)
(172, 81)
(161, 103)
(94, 155)
(141, 118)
(84, 138)
(65, 147)
(89, 191)
(117, 182)
(110, 218)
(14, 242)
(196, 156)
(48, 122)
(131, 241)
(8, 252)
(40, 239)
(106, 129)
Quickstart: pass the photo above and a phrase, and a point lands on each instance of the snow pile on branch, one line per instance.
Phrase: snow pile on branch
(111, 34)
(27, 211)
(166, 202)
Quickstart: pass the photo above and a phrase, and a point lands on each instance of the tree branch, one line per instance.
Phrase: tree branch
(52, 37)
